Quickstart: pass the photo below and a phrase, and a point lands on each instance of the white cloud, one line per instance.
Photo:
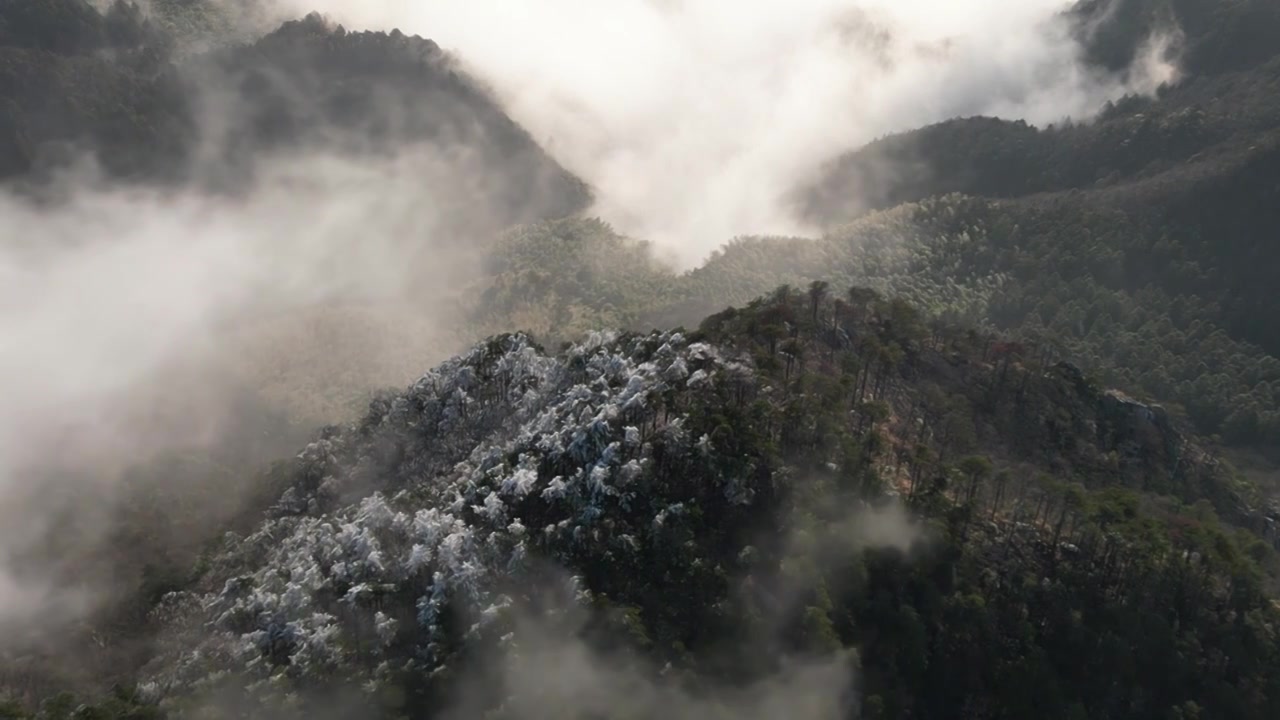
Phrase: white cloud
(694, 117)
(126, 318)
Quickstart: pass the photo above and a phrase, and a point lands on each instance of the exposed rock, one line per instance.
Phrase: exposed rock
(1137, 428)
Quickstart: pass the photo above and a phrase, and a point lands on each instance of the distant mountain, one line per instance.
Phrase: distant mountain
(121, 86)
(1143, 240)
(1140, 244)
(1215, 36)
(1202, 123)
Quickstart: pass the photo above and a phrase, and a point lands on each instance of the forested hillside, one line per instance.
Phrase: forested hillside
(971, 453)
(700, 514)
(1144, 241)
(124, 88)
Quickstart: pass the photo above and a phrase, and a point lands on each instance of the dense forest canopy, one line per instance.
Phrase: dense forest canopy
(1152, 227)
(1000, 442)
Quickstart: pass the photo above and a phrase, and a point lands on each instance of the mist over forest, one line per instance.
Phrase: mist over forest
(642, 358)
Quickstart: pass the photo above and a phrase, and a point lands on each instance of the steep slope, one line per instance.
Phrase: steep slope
(711, 523)
(1180, 259)
(173, 100)
(310, 85)
(1216, 36)
(122, 87)
(1215, 110)
(70, 76)
(1137, 291)
(714, 504)
(1203, 122)
(1141, 241)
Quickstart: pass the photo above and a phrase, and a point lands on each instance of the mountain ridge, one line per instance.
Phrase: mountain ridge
(636, 412)
(213, 117)
(991, 479)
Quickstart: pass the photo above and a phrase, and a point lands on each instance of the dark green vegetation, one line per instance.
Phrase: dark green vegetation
(115, 85)
(1145, 242)
(1215, 37)
(1142, 244)
(724, 499)
(1082, 556)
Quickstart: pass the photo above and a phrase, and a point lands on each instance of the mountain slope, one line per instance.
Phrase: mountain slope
(1134, 239)
(121, 87)
(715, 503)
(1145, 296)
(819, 504)
(1215, 110)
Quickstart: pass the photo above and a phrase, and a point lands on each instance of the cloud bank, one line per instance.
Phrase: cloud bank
(694, 118)
(130, 319)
